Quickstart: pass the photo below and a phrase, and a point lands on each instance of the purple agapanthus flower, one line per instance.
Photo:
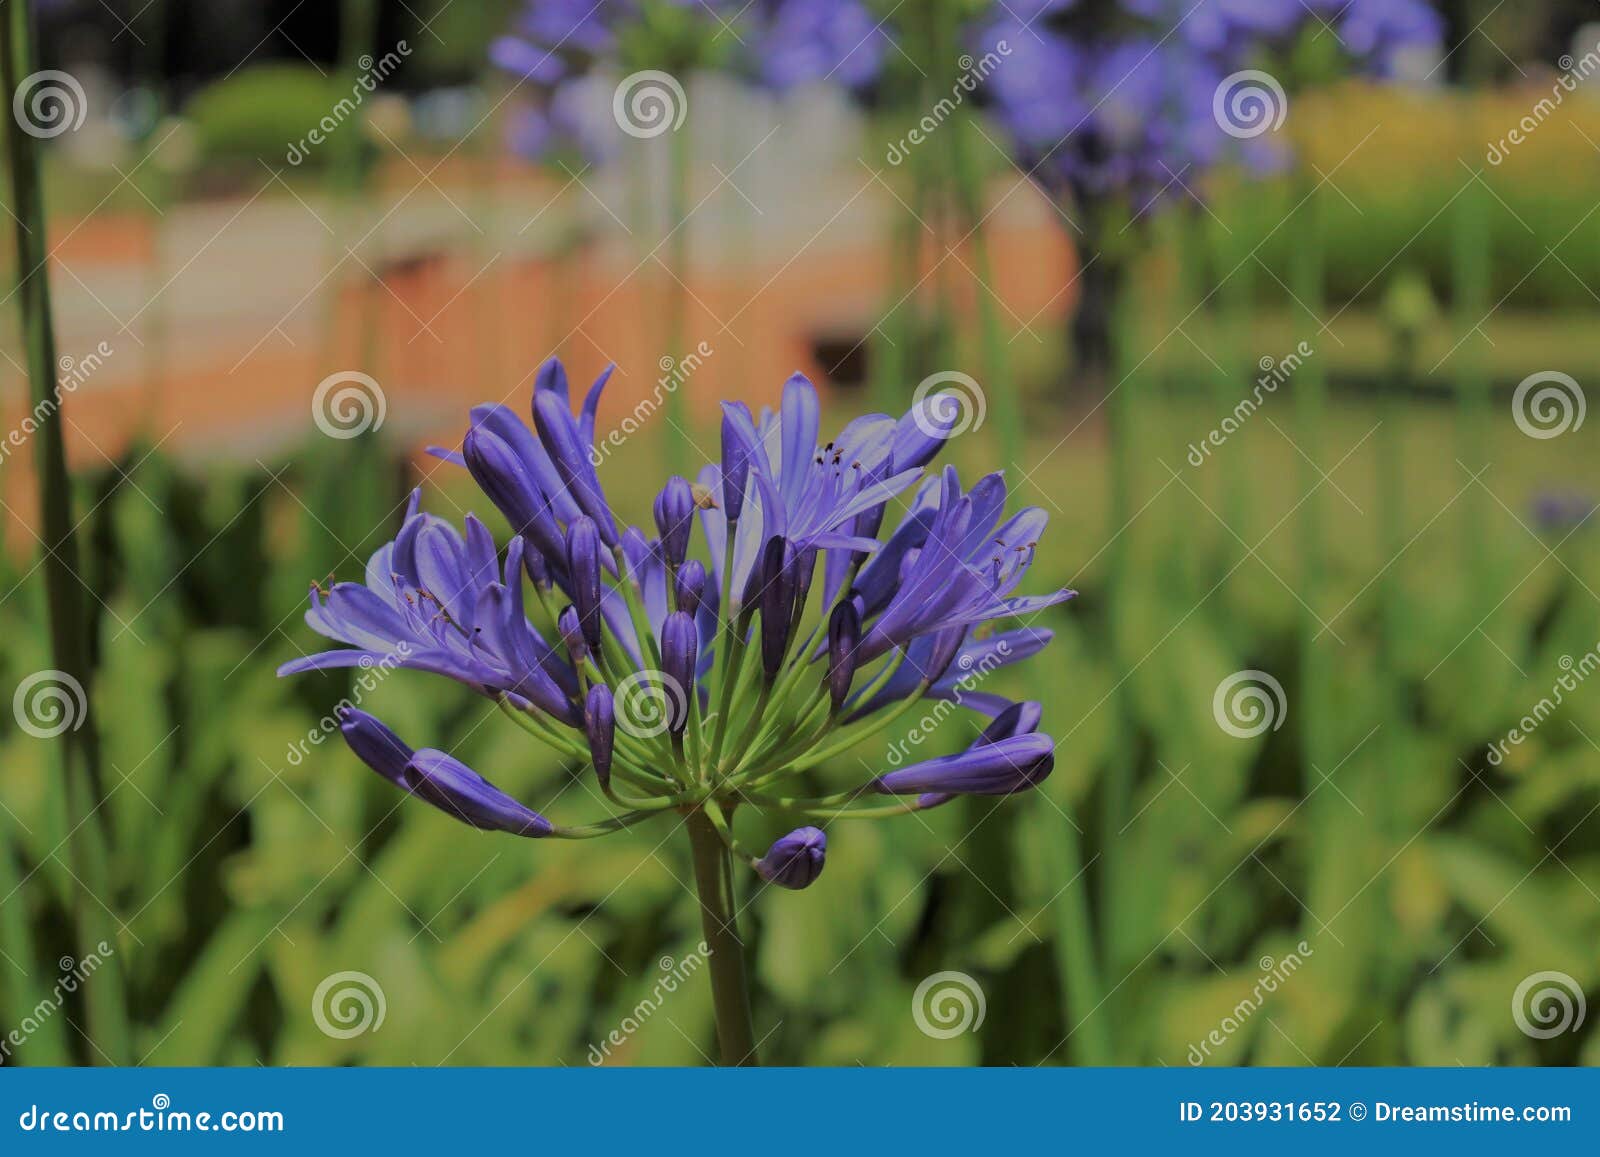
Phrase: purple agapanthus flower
(700, 668)
(798, 42)
(1382, 32)
(1098, 109)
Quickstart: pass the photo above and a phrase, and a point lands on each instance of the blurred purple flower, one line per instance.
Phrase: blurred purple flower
(1555, 511)
(808, 41)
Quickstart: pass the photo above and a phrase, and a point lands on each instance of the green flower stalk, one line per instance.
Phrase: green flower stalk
(69, 620)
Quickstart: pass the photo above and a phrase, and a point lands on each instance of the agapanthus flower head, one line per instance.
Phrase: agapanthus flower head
(799, 42)
(707, 668)
(1124, 109)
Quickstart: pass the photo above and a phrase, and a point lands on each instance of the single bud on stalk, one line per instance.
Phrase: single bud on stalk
(795, 860)
(559, 435)
(735, 468)
(680, 645)
(805, 570)
(689, 586)
(844, 633)
(376, 746)
(997, 767)
(674, 510)
(600, 723)
(776, 596)
(533, 563)
(571, 631)
(463, 794)
(583, 561)
(501, 475)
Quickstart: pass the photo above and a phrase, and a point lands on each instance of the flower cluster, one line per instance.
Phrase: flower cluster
(713, 670)
(798, 42)
(1101, 99)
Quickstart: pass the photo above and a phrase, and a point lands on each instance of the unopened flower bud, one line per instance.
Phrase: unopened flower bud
(600, 722)
(795, 860)
(583, 561)
(689, 586)
(844, 633)
(674, 511)
(680, 644)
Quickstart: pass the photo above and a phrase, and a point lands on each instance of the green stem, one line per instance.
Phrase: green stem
(1122, 409)
(1310, 398)
(1075, 943)
(1235, 299)
(77, 750)
(848, 737)
(679, 436)
(730, 992)
(1471, 251)
(998, 387)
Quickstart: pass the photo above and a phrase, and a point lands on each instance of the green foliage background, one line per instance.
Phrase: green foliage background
(1426, 882)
